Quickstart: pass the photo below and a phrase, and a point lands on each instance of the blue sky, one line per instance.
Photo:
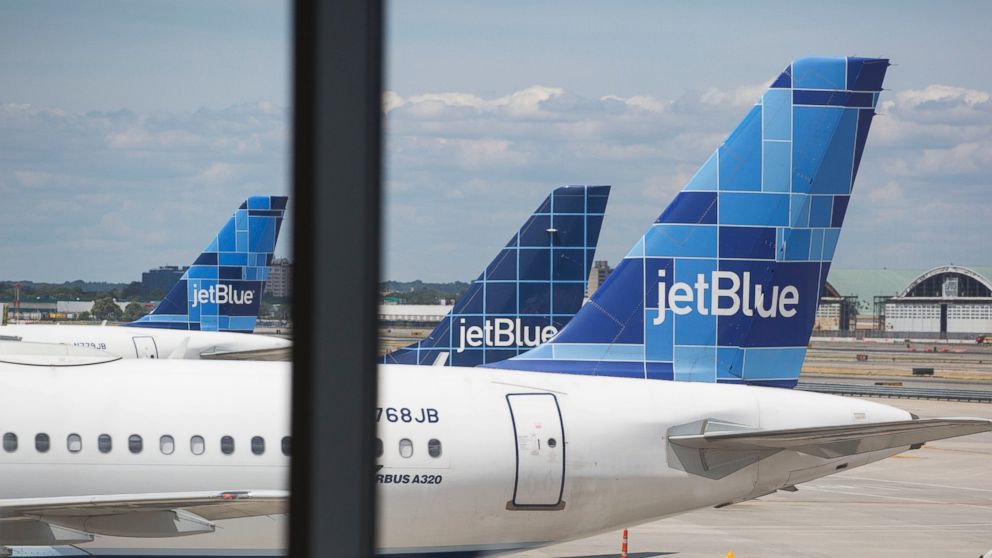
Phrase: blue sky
(130, 130)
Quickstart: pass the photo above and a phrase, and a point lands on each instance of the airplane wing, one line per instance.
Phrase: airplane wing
(716, 449)
(47, 521)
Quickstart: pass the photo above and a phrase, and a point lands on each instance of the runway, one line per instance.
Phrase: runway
(933, 502)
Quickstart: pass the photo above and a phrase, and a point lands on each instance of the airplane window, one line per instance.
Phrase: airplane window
(227, 445)
(286, 443)
(10, 442)
(258, 445)
(378, 447)
(42, 442)
(134, 443)
(74, 443)
(434, 448)
(196, 445)
(552, 442)
(406, 447)
(104, 443)
(167, 444)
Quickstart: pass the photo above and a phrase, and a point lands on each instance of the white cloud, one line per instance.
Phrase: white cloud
(744, 96)
(108, 193)
(458, 159)
(526, 102)
(929, 154)
(32, 179)
(644, 102)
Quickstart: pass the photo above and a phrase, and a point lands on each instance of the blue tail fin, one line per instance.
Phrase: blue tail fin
(530, 290)
(222, 290)
(724, 285)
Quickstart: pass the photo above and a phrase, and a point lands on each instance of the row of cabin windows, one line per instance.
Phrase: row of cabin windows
(135, 444)
(406, 448)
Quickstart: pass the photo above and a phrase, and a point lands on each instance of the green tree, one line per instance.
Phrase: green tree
(104, 308)
(132, 291)
(265, 310)
(133, 311)
(84, 316)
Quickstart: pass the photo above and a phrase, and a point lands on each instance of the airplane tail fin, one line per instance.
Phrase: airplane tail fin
(530, 290)
(222, 290)
(724, 285)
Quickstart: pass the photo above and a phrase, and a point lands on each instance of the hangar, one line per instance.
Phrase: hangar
(945, 300)
(836, 312)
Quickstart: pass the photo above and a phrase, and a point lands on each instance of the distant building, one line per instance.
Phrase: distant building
(835, 312)
(945, 300)
(403, 324)
(600, 271)
(280, 281)
(33, 311)
(156, 283)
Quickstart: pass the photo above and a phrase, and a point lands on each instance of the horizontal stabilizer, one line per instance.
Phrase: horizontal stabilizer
(837, 441)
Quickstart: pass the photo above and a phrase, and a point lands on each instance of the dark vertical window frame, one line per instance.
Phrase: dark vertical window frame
(337, 113)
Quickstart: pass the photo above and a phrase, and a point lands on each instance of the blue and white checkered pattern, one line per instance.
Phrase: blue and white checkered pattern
(222, 290)
(724, 286)
(528, 292)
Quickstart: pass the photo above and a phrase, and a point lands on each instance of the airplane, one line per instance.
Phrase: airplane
(530, 290)
(724, 285)
(210, 311)
(470, 460)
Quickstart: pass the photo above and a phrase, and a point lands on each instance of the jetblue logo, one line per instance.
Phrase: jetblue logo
(503, 332)
(729, 294)
(221, 294)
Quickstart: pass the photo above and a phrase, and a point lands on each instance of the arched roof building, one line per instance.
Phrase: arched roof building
(947, 299)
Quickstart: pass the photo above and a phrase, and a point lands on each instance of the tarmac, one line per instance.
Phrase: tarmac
(933, 502)
(894, 357)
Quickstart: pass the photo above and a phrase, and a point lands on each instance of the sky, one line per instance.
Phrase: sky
(129, 131)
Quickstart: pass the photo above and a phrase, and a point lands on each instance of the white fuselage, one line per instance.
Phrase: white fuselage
(143, 342)
(472, 459)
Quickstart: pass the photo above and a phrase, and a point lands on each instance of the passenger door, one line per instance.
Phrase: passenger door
(540, 451)
(144, 347)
